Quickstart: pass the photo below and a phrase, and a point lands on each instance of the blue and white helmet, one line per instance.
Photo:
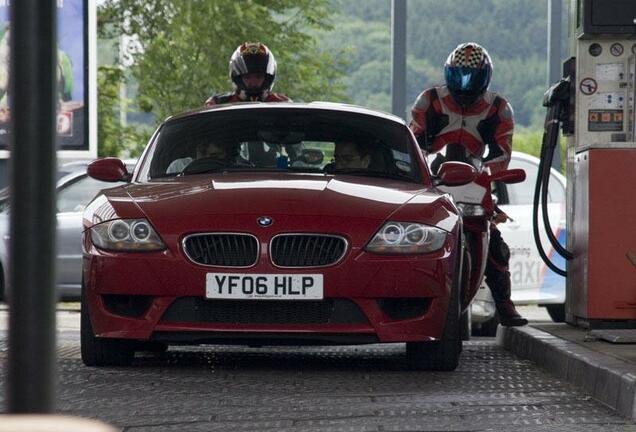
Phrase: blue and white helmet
(467, 72)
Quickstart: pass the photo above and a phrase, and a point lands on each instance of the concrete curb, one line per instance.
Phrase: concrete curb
(51, 423)
(607, 379)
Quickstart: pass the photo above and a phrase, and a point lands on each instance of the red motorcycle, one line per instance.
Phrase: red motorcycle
(475, 202)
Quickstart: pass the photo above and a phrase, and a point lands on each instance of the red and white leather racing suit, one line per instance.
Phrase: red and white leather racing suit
(488, 123)
(437, 120)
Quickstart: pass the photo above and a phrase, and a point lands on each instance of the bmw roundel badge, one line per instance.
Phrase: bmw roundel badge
(265, 221)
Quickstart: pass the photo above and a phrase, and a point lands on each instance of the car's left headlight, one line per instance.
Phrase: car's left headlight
(406, 238)
(126, 235)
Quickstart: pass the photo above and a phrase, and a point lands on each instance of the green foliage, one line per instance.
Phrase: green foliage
(113, 138)
(513, 31)
(185, 47)
(529, 141)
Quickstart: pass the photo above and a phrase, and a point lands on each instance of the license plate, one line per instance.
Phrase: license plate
(263, 286)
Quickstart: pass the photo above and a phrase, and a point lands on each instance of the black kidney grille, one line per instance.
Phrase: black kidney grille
(228, 250)
(307, 250)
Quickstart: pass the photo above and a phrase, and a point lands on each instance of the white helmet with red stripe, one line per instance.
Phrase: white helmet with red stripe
(253, 58)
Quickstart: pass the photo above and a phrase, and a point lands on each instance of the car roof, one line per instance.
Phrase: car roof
(317, 105)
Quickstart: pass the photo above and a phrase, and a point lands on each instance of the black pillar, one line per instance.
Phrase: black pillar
(398, 58)
(33, 63)
(555, 12)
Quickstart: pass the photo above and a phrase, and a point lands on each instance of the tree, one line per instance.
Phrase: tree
(513, 31)
(113, 138)
(184, 47)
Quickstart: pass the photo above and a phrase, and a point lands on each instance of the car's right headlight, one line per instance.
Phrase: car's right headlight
(126, 235)
(406, 238)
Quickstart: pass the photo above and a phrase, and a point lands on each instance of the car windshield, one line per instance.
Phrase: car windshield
(281, 139)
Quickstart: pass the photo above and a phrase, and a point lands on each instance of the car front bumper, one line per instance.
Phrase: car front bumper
(367, 298)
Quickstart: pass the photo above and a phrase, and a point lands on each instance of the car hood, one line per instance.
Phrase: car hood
(296, 202)
(267, 194)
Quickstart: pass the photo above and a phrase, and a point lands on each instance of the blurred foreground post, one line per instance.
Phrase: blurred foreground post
(398, 56)
(555, 14)
(33, 52)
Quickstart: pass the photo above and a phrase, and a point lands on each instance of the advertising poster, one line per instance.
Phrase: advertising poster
(71, 75)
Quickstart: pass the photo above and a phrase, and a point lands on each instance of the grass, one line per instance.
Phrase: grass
(529, 141)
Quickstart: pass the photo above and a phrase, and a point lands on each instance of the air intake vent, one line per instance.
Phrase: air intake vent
(307, 250)
(328, 311)
(219, 249)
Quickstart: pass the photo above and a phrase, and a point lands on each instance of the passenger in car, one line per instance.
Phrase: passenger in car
(351, 155)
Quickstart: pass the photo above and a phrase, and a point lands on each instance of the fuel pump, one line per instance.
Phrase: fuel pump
(594, 104)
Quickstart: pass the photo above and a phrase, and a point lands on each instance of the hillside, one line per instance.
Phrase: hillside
(513, 31)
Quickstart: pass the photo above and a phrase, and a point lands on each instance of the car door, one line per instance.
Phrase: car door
(532, 281)
(72, 197)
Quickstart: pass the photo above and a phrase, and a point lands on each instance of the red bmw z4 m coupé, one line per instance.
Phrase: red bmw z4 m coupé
(265, 224)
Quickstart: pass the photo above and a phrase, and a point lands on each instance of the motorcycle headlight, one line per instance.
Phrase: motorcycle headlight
(406, 238)
(126, 235)
(471, 209)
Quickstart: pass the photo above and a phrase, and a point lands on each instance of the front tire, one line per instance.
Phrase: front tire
(466, 324)
(101, 351)
(442, 355)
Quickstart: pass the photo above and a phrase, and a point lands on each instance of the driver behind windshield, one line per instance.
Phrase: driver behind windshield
(221, 152)
(204, 149)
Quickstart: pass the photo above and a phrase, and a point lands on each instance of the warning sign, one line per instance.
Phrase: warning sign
(588, 86)
(605, 121)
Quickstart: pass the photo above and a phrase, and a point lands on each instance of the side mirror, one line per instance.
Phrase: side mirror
(108, 169)
(509, 176)
(455, 174)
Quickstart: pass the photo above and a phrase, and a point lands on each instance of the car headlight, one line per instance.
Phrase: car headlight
(471, 209)
(406, 238)
(128, 235)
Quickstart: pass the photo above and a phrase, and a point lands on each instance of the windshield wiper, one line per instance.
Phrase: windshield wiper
(202, 171)
(367, 173)
(257, 169)
(233, 169)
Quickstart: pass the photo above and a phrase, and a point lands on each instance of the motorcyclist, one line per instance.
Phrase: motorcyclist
(252, 71)
(464, 112)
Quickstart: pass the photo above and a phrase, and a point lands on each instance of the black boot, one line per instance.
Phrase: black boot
(498, 280)
(499, 285)
(508, 315)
